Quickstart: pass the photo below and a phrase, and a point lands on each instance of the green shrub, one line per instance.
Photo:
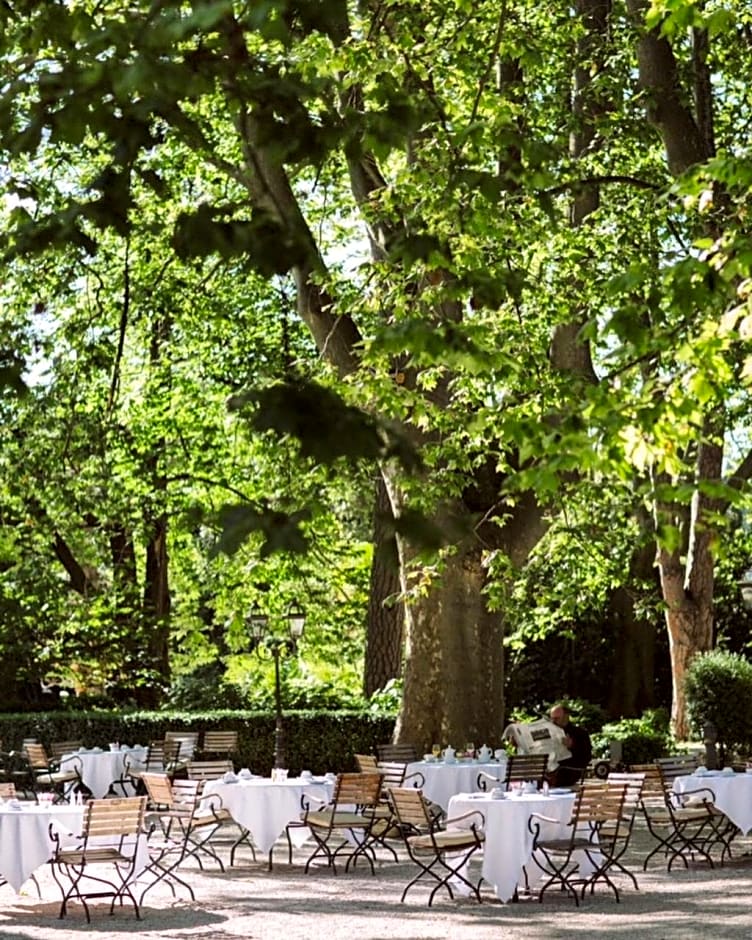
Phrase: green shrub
(642, 739)
(718, 687)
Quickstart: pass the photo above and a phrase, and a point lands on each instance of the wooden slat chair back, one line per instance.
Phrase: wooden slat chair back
(188, 742)
(526, 767)
(223, 743)
(596, 829)
(110, 834)
(208, 769)
(440, 853)
(406, 753)
(59, 748)
(353, 809)
(46, 774)
(366, 763)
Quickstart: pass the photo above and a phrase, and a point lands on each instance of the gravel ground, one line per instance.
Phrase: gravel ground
(286, 904)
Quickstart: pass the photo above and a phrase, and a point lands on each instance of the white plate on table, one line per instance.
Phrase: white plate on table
(558, 791)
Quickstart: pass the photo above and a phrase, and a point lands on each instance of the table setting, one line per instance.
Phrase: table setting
(445, 772)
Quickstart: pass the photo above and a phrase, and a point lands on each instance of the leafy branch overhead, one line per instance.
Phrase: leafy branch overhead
(325, 426)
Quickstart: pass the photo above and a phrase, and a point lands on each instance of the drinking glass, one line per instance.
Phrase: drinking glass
(436, 750)
(470, 749)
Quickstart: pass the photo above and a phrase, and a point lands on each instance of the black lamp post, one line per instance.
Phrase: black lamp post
(745, 586)
(277, 646)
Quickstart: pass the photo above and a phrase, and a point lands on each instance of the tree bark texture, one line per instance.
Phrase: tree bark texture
(454, 660)
(384, 627)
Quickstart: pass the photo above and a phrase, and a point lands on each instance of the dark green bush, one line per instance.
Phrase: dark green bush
(642, 739)
(718, 687)
(319, 741)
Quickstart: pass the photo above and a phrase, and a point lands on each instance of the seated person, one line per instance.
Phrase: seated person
(571, 770)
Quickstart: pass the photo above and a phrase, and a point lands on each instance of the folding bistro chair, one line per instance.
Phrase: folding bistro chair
(109, 837)
(205, 770)
(161, 757)
(594, 830)
(343, 828)
(441, 854)
(44, 773)
(188, 821)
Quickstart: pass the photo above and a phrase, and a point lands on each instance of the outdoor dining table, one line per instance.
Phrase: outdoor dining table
(99, 768)
(264, 807)
(25, 842)
(508, 845)
(732, 793)
(443, 779)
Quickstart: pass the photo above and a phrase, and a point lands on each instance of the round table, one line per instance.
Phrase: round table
(99, 769)
(264, 807)
(508, 846)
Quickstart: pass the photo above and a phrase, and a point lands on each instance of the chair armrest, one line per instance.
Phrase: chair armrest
(307, 798)
(534, 823)
(473, 812)
(483, 777)
(680, 797)
(417, 780)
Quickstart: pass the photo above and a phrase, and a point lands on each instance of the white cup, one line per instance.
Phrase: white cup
(306, 775)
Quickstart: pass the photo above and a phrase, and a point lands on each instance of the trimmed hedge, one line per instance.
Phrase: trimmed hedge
(318, 741)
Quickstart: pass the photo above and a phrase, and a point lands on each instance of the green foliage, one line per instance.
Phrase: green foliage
(718, 687)
(642, 739)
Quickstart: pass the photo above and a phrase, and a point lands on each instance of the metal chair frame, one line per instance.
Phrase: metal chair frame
(351, 810)
(440, 853)
(595, 828)
(121, 820)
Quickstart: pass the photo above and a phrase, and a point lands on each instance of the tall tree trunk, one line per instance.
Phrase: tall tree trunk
(454, 658)
(687, 573)
(157, 612)
(384, 627)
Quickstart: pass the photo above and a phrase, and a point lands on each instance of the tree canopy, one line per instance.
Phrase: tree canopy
(500, 251)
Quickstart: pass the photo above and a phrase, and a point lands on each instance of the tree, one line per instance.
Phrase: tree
(524, 304)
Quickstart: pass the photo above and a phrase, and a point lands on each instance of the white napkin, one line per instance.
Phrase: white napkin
(229, 777)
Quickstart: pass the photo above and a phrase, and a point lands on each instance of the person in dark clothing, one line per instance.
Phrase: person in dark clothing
(571, 770)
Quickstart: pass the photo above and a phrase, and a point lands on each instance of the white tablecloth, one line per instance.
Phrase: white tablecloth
(265, 808)
(509, 843)
(732, 794)
(443, 780)
(25, 843)
(99, 769)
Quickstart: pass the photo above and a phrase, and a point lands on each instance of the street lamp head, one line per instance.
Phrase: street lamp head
(745, 586)
(296, 619)
(258, 623)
